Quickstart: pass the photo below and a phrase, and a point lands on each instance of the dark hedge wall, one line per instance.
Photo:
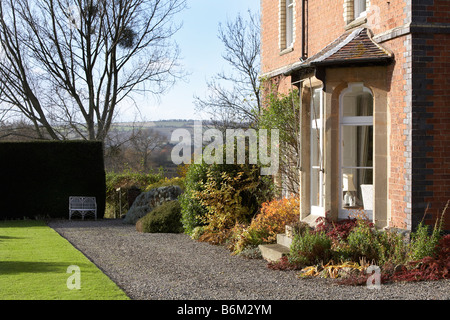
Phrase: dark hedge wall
(37, 178)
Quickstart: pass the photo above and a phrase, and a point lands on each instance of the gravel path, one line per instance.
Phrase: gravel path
(174, 267)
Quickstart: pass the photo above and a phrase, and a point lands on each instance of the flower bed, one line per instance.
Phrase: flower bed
(345, 250)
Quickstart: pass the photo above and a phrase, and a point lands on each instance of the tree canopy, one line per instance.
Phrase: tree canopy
(67, 65)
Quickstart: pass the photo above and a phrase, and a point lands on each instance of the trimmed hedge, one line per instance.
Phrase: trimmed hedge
(37, 178)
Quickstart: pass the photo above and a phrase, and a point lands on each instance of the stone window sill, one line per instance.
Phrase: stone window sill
(356, 23)
(287, 50)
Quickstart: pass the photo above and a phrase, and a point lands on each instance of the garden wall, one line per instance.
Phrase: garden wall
(37, 178)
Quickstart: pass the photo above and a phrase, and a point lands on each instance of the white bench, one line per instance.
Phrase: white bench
(82, 206)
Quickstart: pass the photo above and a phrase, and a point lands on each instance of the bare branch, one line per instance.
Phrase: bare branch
(235, 97)
(74, 62)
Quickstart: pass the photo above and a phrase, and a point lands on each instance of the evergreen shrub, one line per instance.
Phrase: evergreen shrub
(39, 177)
(163, 219)
(310, 248)
(216, 195)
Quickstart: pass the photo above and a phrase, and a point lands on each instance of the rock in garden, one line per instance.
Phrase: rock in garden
(147, 201)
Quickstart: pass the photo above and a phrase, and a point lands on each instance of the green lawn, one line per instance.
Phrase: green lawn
(34, 261)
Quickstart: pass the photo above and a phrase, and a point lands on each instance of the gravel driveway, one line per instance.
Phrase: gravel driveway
(175, 267)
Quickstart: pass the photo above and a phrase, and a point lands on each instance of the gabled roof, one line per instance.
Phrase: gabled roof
(351, 48)
(348, 48)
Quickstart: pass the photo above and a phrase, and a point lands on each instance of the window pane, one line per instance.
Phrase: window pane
(357, 146)
(317, 201)
(315, 147)
(359, 7)
(289, 22)
(316, 185)
(315, 112)
(358, 105)
(357, 184)
(357, 149)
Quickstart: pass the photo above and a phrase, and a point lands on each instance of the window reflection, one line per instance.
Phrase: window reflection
(357, 149)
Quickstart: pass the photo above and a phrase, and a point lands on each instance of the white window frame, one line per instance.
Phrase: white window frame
(359, 9)
(318, 123)
(289, 32)
(350, 121)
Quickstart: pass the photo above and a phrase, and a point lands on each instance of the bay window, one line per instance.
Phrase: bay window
(356, 149)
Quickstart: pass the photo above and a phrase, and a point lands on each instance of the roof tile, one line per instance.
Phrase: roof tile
(352, 46)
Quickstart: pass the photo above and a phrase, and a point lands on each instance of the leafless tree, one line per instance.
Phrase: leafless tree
(133, 146)
(234, 97)
(115, 145)
(18, 130)
(143, 142)
(67, 65)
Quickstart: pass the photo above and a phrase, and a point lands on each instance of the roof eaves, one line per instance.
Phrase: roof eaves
(359, 61)
(324, 57)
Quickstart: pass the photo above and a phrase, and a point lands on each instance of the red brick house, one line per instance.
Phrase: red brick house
(373, 77)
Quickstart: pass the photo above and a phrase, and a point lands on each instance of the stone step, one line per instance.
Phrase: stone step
(284, 240)
(311, 220)
(273, 252)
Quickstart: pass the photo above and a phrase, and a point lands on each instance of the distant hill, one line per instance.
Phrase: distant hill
(120, 132)
(164, 127)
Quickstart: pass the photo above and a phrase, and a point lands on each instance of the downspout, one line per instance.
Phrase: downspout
(304, 33)
(300, 146)
(299, 84)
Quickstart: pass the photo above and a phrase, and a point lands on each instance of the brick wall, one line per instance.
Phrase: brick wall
(387, 21)
(327, 20)
(320, 32)
(399, 142)
(327, 25)
(418, 98)
(270, 38)
(387, 15)
(430, 111)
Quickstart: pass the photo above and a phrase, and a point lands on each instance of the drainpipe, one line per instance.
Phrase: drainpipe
(302, 107)
(300, 127)
(304, 53)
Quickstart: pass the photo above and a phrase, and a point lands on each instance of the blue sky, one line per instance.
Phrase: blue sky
(201, 52)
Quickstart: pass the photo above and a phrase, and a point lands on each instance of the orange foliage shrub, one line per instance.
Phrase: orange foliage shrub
(272, 219)
(274, 216)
